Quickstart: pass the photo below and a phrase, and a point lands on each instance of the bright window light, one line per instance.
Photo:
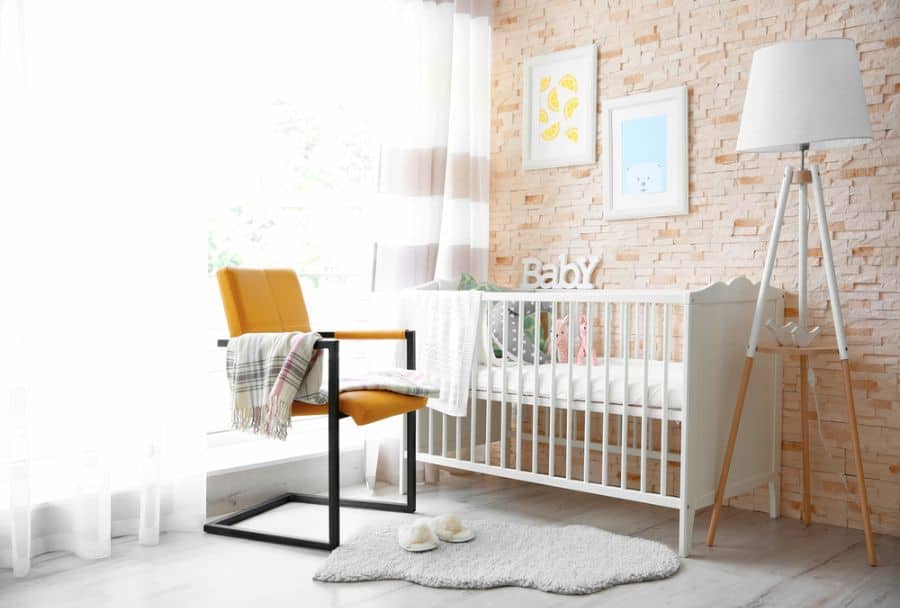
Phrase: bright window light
(301, 121)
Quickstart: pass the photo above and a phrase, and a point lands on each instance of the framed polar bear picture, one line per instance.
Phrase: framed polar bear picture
(645, 146)
(559, 117)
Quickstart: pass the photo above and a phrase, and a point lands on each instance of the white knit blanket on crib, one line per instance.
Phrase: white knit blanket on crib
(446, 326)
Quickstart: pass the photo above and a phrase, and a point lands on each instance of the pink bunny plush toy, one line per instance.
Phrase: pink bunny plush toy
(582, 348)
(562, 339)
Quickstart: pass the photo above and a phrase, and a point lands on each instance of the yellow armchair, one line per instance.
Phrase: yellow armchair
(271, 300)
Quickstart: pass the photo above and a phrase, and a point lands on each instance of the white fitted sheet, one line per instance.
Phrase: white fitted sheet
(598, 383)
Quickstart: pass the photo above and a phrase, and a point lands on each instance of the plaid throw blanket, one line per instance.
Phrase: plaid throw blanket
(267, 372)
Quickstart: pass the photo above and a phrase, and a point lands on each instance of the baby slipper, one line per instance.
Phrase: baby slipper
(417, 537)
(450, 529)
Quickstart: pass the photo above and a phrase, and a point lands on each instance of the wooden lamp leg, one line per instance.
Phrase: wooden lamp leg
(834, 296)
(729, 450)
(857, 457)
(806, 509)
(758, 315)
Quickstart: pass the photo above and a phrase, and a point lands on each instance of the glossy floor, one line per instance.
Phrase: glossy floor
(757, 562)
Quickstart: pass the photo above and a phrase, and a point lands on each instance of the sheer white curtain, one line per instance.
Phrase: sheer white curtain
(435, 160)
(101, 276)
(433, 185)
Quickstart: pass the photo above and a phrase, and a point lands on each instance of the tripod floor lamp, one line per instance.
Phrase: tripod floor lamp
(802, 95)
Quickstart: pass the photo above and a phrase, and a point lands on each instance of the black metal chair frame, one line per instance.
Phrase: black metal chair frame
(225, 526)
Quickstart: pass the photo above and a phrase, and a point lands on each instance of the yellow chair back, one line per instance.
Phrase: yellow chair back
(262, 300)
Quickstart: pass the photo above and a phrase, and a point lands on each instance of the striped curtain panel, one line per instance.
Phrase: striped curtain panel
(433, 179)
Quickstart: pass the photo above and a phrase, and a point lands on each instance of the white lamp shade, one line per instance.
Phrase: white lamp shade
(804, 92)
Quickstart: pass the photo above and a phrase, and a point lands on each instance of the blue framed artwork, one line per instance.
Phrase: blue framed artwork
(644, 155)
(645, 148)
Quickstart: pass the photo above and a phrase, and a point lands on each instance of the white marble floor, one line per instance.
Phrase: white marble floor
(757, 562)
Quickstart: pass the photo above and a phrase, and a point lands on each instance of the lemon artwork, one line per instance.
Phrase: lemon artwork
(569, 82)
(562, 98)
(553, 101)
(550, 133)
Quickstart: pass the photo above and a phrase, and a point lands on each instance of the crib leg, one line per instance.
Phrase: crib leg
(685, 529)
(774, 500)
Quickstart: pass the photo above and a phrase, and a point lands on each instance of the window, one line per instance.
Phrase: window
(301, 164)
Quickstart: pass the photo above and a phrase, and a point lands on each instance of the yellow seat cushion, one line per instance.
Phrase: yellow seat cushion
(365, 406)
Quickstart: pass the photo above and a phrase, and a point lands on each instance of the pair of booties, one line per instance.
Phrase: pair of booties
(423, 534)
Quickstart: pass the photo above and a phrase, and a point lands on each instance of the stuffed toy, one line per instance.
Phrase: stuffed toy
(562, 339)
(582, 348)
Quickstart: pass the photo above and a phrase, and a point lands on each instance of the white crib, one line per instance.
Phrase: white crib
(647, 420)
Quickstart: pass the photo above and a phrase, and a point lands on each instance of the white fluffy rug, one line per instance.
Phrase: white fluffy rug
(570, 559)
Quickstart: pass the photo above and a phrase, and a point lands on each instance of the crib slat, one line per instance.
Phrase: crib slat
(520, 337)
(644, 391)
(551, 417)
(684, 492)
(652, 358)
(430, 431)
(488, 406)
(473, 405)
(664, 425)
(571, 390)
(623, 481)
(534, 407)
(444, 435)
(607, 341)
(457, 426)
(588, 402)
(632, 347)
(634, 420)
(503, 387)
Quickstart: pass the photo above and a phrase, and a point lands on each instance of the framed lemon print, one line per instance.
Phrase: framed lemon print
(559, 118)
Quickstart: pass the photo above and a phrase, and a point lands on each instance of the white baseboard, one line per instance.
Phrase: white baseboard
(238, 489)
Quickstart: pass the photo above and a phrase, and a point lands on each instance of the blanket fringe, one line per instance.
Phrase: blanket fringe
(250, 420)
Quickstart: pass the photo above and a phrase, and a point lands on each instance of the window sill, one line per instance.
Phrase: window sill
(233, 451)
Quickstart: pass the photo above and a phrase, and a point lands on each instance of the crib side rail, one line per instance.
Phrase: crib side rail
(656, 296)
(593, 409)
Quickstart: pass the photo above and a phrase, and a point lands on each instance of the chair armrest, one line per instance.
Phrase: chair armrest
(367, 334)
(380, 334)
(357, 334)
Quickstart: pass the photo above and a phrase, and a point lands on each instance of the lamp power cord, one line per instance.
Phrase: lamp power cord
(811, 381)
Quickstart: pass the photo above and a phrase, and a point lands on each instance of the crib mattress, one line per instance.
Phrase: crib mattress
(598, 383)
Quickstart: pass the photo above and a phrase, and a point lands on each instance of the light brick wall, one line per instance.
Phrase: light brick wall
(707, 45)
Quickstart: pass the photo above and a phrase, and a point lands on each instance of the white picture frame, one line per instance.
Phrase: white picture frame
(552, 136)
(645, 155)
